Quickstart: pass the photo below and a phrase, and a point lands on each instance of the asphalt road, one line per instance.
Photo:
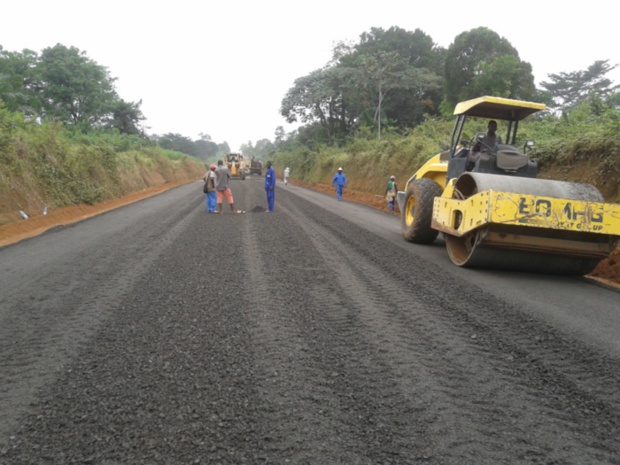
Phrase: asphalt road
(160, 334)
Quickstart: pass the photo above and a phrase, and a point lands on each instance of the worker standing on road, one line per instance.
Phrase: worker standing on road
(340, 180)
(287, 173)
(270, 187)
(390, 192)
(223, 189)
(210, 179)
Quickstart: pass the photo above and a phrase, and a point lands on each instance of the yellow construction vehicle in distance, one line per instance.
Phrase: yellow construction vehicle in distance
(236, 165)
(495, 213)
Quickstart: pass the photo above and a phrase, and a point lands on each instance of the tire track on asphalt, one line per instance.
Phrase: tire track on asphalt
(297, 400)
(312, 341)
(446, 355)
(350, 374)
(47, 326)
(166, 380)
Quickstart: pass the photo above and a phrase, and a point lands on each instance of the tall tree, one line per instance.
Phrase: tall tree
(75, 89)
(16, 81)
(390, 75)
(63, 84)
(126, 117)
(417, 47)
(407, 66)
(178, 143)
(505, 76)
(568, 90)
(205, 147)
(318, 98)
(480, 62)
(280, 135)
(384, 73)
(262, 150)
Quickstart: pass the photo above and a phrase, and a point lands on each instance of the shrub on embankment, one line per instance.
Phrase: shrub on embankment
(583, 147)
(47, 165)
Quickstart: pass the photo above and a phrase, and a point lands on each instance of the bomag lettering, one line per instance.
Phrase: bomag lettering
(574, 214)
(543, 207)
(540, 207)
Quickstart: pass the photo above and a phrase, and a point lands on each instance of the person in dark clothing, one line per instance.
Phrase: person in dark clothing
(210, 189)
(223, 189)
(490, 140)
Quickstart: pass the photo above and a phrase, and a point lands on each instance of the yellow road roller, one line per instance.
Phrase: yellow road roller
(483, 195)
(236, 165)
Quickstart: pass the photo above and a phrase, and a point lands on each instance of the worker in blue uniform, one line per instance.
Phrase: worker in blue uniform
(270, 187)
(340, 180)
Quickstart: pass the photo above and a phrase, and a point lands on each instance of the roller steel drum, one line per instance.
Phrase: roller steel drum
(514, 247)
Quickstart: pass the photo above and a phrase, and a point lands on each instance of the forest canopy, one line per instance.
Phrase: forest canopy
(390, 80)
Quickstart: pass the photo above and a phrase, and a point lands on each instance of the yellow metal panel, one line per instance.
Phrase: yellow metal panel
(552, 213)
(458, 217)
(434, 169)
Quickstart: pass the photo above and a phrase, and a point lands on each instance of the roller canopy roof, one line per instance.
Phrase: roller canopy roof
(498, 108)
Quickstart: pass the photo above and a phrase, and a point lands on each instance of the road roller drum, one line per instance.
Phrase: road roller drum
(535, 225)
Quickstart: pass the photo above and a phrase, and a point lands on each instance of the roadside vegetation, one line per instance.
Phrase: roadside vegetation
(583, 146)
(44, 165)
(383, 106)
(379, 107)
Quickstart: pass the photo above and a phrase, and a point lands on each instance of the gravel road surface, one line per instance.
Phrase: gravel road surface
(161, 334)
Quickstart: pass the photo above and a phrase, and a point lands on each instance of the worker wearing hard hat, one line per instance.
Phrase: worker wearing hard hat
(209, 189)
(340, 180)
(390, 192)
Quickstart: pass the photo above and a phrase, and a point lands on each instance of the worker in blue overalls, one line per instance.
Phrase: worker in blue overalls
(340, 180)
(270, 187)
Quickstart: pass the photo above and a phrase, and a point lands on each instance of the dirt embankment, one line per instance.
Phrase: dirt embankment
(608, 271)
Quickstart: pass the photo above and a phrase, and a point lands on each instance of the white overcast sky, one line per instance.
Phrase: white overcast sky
(222, 67)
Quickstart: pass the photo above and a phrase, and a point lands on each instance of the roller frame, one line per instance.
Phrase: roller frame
(507, 220)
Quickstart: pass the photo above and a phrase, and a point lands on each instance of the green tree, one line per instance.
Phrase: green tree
(126, 117)
(480, 62)
(178, 143)
(205, 147)
(262, 150)
(416, 47)
(387, 72)
(75, 90)
(62, 84)
(223, 148)
(505, 76)
(280, 135)
(318, 99)
(16, 81)
(399, 75)
(568, 90)
(389, 75)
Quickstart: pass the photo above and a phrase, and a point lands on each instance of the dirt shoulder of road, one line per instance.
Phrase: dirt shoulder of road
(607, 272)
(35, 225)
